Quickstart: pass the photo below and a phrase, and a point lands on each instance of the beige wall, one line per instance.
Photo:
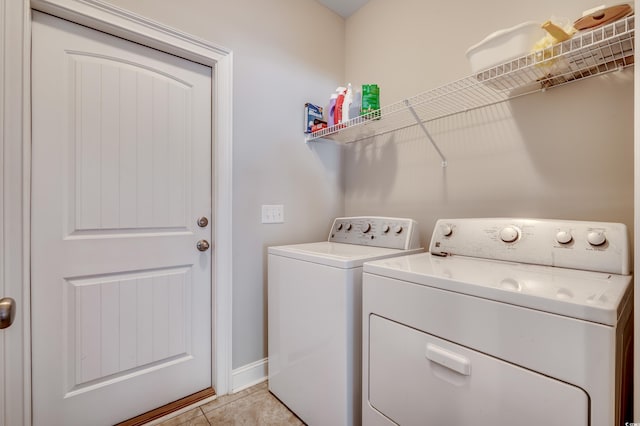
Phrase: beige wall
(566, 153)
(277, 68)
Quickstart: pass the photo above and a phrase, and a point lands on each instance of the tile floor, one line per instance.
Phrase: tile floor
(254, 406)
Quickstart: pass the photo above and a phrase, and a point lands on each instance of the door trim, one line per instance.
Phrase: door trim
(15, 156)
(14, 209)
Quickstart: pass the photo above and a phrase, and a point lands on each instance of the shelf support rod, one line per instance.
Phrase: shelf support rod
(426, 132)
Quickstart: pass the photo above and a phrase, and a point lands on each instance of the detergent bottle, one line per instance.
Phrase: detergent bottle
(339, 104)
(331, 110)
(348, 100)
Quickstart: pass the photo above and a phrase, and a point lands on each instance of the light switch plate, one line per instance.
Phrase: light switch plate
(272, 213)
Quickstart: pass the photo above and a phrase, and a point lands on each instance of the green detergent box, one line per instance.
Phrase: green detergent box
(370, 100)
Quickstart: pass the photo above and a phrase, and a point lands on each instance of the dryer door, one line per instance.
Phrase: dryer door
(416, 379)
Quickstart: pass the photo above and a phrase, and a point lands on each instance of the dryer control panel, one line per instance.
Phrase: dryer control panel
(387, 232)
(592, 246)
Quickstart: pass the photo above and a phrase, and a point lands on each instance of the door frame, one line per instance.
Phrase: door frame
(15, 180)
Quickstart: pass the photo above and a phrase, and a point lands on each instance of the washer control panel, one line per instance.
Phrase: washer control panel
(387, 232)
(594, 246)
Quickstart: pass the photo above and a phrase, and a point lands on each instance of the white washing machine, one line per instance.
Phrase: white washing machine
(504, 322)
(315, 315)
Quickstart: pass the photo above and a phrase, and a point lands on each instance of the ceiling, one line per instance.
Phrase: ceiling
(344, 8)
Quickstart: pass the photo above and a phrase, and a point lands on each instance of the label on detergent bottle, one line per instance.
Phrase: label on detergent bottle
(339, 105)
(331, 110)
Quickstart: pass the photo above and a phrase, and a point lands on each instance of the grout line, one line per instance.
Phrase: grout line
(205, 416)
(231, 399)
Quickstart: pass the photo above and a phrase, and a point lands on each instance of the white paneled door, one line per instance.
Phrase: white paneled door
(121, 292)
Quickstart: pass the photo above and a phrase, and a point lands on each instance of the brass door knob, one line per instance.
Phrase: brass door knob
(7, 312)
(203, 245)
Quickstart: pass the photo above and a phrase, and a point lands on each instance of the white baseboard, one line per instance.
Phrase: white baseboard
(249, 375)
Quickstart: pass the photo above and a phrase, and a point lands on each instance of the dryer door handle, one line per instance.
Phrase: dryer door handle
(451, 360)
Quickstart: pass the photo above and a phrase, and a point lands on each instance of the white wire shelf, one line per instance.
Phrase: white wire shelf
(605, 49)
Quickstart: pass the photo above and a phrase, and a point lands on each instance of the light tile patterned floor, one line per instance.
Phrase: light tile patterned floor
(254, 406)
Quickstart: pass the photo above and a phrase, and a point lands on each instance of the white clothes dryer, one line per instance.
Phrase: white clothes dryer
(315, 312)
(505, 321)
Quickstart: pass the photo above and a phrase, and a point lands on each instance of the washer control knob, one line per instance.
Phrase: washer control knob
(509, 234)
(386, 229)
(366, 228)
(349, 226)
(446, 230)
(340, 227)
(397, 229)
(564, 236)
(596, 238)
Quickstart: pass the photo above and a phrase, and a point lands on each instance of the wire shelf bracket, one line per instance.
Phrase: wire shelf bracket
(426, 132)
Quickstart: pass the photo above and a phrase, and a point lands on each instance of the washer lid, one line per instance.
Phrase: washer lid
(591, 296)
(338, 255)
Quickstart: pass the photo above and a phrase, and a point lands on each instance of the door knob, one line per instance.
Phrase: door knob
(7, 312)
(203, 245)
(203, 222)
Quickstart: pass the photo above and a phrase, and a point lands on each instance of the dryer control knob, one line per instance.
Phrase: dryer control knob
(509, 234)
(366, 228)
(349, 226)
(386, 229)
(596, 238)
(397, 229)
(564, 237)
(446, 230)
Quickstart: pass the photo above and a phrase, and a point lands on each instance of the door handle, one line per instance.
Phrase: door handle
(202, 245)
(7, 312)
